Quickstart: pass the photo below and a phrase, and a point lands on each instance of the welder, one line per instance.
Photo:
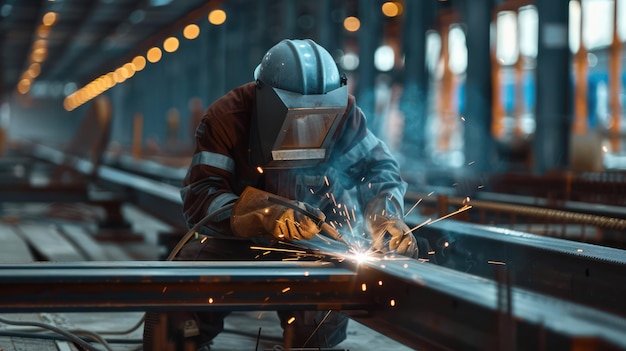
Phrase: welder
(295, 132)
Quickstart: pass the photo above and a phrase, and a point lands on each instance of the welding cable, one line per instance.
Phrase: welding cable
(71, 337)
(317, 327)
(175, 252)
(124, 332)
(195, 228)
(40, 333)
(74, 338)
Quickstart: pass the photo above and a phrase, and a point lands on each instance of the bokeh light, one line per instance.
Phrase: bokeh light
(139, 62)
(191, 31)
(391, 8)
(351, 24)
(217, 17)
(154, 55)
(171, 44)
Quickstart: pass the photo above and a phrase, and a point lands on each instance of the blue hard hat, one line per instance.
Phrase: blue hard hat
(300, 66)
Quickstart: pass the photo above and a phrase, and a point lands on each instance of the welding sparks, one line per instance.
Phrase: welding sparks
(286, 289)
(462, 209)
(419, 225)
(210, 300)
(298, 254)
(291, 320)
(392, 303)
(363, 287)
(332, 196)
(412, 208)
(277, 249)
(497, 262)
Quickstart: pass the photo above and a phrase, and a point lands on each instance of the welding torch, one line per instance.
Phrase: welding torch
(324, 227)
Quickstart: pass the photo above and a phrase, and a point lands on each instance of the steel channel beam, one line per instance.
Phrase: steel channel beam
(436, 308)
(141, 286)
(578, 272)
(583, 273)
(418, 304)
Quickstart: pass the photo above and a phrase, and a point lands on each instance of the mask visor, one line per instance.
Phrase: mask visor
(302, 136)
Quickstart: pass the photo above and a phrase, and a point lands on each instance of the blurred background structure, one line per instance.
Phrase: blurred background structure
(468, 87)
(516, 107)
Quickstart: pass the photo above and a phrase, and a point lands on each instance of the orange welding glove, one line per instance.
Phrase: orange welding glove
(255, 215)
(389, 232)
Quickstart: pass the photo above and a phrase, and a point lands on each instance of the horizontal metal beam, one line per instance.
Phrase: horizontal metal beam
(141, 286)
(438, 308)
(416, 303)
(583, 273)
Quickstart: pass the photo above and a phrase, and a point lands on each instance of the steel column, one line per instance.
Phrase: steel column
(554, 87)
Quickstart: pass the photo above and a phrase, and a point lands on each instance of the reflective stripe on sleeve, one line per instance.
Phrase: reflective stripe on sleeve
(219, 202)
(214, 160)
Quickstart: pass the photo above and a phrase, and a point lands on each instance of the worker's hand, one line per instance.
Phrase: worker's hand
(255, 215)
(394, 235)
(289, 224)
(383, 217)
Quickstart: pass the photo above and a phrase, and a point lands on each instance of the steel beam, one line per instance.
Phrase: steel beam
(583, 273)
(588, 274)
(435, 308)
(141, 286)
(416, 303)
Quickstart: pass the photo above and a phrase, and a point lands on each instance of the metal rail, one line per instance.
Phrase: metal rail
(588, 274)
(418, 304)
(140, 286)
(583, 273)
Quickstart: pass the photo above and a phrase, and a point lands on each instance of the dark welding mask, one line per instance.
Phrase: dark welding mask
(300, 100)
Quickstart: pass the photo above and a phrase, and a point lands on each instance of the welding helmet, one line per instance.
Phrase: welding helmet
(300, 99)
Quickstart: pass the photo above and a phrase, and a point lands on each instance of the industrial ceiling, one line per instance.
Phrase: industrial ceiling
(83, 39)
